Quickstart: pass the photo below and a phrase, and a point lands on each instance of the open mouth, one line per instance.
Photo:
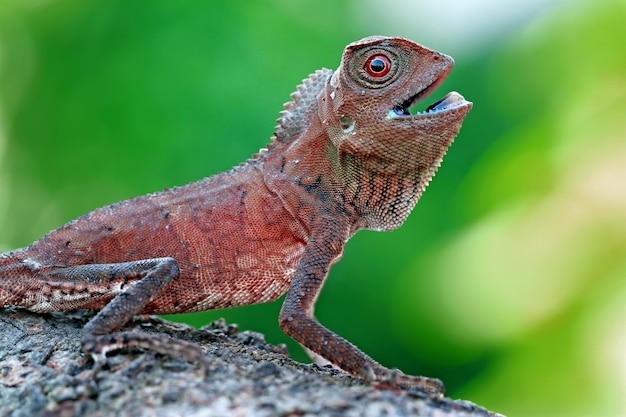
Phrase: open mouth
(450, 101)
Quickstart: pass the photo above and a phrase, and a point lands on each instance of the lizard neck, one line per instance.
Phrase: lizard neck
(303, 174)
(300, 165)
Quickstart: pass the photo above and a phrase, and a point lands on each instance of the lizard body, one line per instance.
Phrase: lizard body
(346, 156)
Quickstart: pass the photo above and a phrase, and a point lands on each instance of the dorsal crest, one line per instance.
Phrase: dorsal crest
(293, 119)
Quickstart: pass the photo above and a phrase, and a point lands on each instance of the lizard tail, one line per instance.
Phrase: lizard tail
(15, 276)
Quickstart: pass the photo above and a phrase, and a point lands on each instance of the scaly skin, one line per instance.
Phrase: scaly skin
(342, 159)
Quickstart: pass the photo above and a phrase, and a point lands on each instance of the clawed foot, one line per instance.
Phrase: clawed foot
(430, 385)
(394, 378)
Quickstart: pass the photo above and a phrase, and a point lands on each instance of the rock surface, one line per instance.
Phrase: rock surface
(44, 373)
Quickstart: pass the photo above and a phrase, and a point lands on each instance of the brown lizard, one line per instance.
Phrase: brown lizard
(346, 155)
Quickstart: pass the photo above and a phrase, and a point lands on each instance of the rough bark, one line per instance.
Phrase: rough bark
(44, 373)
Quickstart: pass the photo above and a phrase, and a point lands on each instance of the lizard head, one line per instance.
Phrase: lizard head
(386, 156)
(350, 133)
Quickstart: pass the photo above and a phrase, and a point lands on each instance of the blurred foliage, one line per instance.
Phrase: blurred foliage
(507, 282)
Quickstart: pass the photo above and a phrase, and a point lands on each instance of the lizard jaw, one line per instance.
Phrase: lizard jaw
(451, 101)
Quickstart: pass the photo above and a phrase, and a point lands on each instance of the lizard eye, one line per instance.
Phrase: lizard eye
(378, 66)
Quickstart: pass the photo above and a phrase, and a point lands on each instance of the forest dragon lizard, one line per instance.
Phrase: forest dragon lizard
(346, 155)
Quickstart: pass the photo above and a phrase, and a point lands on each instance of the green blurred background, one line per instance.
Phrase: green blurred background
(508, 281)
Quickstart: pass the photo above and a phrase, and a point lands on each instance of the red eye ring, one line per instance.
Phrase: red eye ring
(378, 66)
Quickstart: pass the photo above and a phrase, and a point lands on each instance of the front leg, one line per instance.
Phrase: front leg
(144, 279)
(296, 316)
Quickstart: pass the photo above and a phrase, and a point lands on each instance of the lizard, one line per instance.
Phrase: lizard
(346, 155)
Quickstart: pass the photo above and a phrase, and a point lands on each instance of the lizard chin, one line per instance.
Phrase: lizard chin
(451, 101)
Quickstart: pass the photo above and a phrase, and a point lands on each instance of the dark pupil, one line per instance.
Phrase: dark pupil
(377, 65)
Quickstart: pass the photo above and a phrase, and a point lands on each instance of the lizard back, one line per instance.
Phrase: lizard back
(234, 242)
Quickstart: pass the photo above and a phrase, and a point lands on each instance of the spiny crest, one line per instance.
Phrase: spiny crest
(294, 118)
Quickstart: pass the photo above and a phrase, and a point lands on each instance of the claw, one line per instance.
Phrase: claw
(395, 379)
